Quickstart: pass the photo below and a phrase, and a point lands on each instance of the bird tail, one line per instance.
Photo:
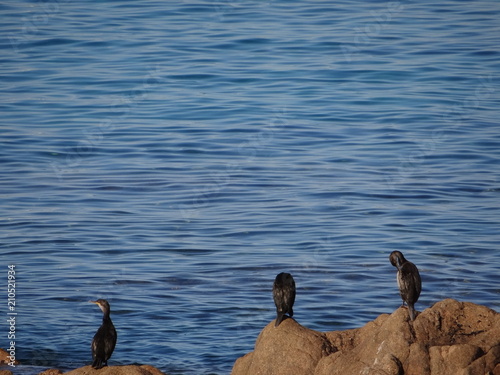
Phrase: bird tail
(279, 319)
(412, 312)
(98, 363)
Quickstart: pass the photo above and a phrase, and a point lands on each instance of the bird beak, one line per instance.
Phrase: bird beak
(93, 302)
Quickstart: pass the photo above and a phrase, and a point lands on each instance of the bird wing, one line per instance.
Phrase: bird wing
(97, 344)
(291, 297)
(104, 342)
(410, 283)
(279, 297)
(284, 295)
(110, 344)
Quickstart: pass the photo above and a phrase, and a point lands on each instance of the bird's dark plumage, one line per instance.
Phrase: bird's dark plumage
(409, 282)
(104, 340)
(284, 296)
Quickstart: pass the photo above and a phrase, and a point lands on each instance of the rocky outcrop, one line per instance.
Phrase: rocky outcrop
(451, 337)
(52, 371)
(5, 358)
(278, 345)
(117, 370)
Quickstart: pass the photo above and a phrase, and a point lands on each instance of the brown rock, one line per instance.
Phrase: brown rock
(293, 348)
(418, 360)
(52, 371)
(117, 370)
(380, 347)
(5, 372)
(452, 359)
(451, 337)
(4, 358)
(450, 322)
(482, 364)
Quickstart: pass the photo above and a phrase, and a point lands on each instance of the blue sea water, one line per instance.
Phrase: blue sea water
(173, 157)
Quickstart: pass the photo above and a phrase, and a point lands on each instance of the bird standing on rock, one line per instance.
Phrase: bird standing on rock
(284, 296)
(104, 340)
(409, 282)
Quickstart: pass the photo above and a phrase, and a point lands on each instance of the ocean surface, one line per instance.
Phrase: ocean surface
(174, 157)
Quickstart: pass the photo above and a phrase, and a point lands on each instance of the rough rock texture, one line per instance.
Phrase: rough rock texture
(5, 372)
(4, 357)
(451, 337)
(117, 370)
(278, 345)
(52, 371)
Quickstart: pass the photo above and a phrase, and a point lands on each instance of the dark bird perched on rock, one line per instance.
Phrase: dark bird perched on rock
(284, 296)
(409, 282)
(104, 340)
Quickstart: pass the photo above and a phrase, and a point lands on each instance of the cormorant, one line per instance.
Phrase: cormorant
(409, 282)
(284, 296)
(104, 340)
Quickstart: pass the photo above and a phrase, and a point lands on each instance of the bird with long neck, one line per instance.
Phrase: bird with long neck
(105, 338)
(409, 282)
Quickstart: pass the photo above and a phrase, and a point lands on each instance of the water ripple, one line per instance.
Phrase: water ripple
(175, 170)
